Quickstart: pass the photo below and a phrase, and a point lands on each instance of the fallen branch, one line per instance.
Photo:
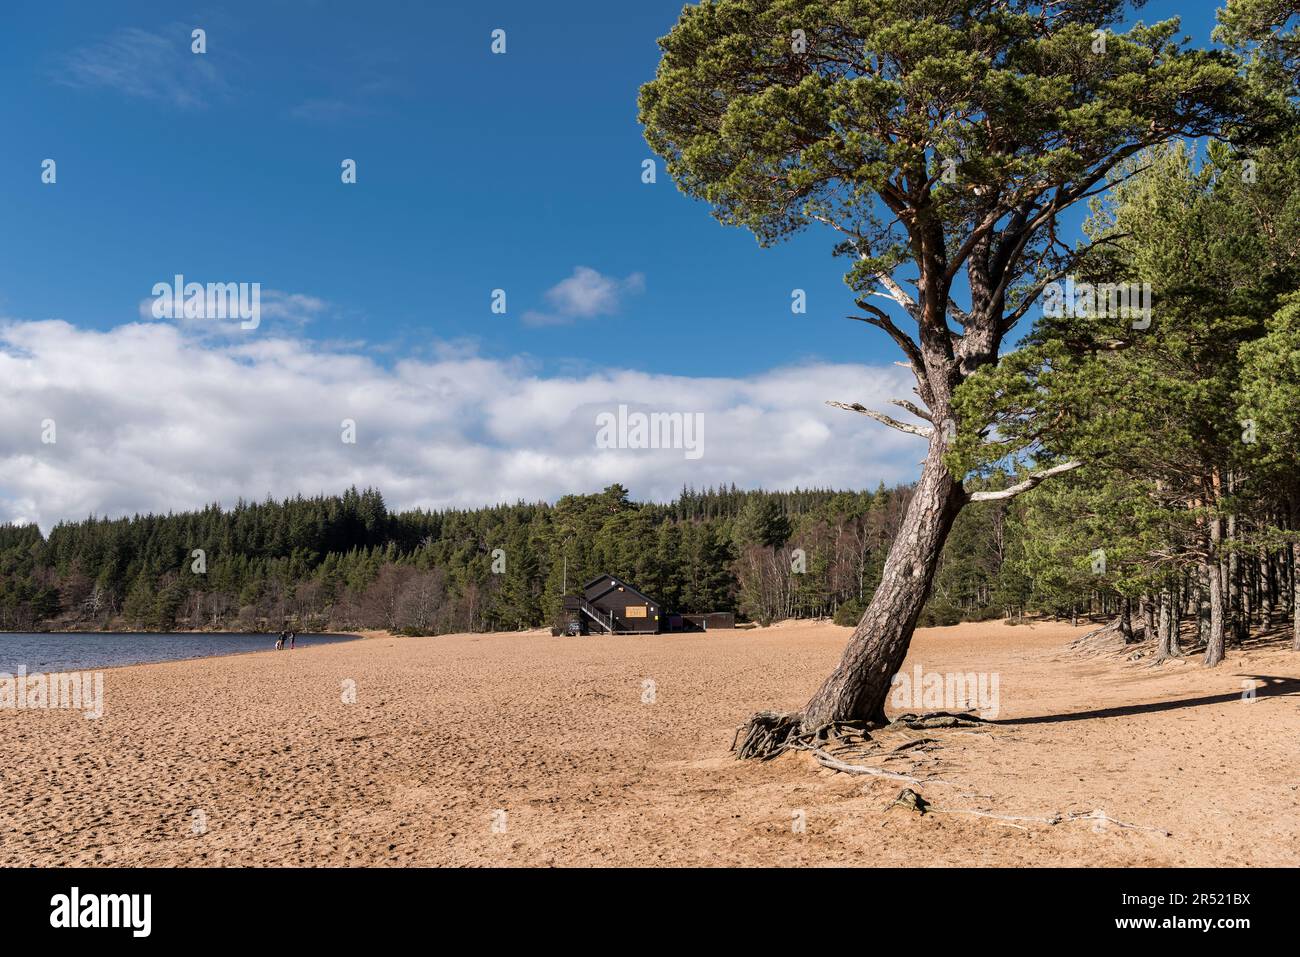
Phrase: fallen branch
(829, 761)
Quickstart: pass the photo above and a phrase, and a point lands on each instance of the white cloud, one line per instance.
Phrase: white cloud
(585, 295)
(290, 309)
(150, 66)
(151, 419)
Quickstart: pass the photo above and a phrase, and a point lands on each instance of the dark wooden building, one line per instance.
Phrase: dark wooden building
(711, 621)
(610, 606)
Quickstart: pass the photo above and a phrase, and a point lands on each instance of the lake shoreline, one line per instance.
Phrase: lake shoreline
(36, 653)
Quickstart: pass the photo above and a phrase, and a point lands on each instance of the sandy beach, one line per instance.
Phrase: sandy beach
(524, 749)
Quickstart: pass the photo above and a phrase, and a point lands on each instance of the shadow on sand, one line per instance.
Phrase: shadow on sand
(1272, 687)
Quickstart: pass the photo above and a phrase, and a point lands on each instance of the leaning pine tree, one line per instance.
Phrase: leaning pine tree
(941, 140)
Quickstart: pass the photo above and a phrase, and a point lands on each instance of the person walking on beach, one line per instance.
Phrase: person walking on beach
(293, 636)
(279, 642)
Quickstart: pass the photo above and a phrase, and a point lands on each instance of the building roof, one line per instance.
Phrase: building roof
(611, 582)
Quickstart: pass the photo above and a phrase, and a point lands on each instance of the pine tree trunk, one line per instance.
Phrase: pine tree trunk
(856, 690)
(1295, 578)
(1166, 628)
(1248, 592)
(1202, 604)
(1176, 620)
(1266, 590)
(1214, 641)
(1214, 578)
(1148, 619)
(1234, 585)
(1295, 598)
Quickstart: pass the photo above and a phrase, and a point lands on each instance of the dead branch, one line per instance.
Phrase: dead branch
(1034, 480)
(912, 407)
(924, 431)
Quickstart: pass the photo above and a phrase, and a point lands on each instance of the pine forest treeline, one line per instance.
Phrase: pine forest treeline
(348, 562)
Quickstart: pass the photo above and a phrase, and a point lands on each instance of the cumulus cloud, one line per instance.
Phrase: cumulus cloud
(155, 66)
(148, 418)
(585, 295)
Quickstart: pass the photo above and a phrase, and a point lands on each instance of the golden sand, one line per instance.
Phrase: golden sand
(523, 749)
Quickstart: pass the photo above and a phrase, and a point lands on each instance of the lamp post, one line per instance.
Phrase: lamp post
(564, 588)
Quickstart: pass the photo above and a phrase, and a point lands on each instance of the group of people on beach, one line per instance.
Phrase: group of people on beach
(288, 636)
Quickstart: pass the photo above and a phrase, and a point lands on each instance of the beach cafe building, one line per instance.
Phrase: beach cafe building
(611, 606)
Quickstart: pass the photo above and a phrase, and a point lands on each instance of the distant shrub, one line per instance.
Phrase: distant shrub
(939, 613)
(850, 612)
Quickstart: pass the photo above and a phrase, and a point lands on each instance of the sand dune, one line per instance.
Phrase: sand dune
(257, 760)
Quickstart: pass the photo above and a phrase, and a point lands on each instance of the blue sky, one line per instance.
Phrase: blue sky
(475, 172)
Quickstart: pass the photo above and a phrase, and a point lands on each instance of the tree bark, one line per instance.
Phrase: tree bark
(1236, 621)
(1266, 590)
(1176, 619)
(1215, 641)
(856, 690)
(1295, 598)
(1295, 578)
(1214, 579)
(1202, 604)
(1166, 627)
(1148, 619)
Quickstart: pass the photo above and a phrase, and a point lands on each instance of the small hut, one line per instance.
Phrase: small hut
(611, 606)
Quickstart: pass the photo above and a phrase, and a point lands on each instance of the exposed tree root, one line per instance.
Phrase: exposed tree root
(936, 719)
(828, 760)
(1109, 638)
(907, 798)
(1110, 641)
(766, 735)
(771, 733)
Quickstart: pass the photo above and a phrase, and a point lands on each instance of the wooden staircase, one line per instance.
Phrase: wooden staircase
(591, 611)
